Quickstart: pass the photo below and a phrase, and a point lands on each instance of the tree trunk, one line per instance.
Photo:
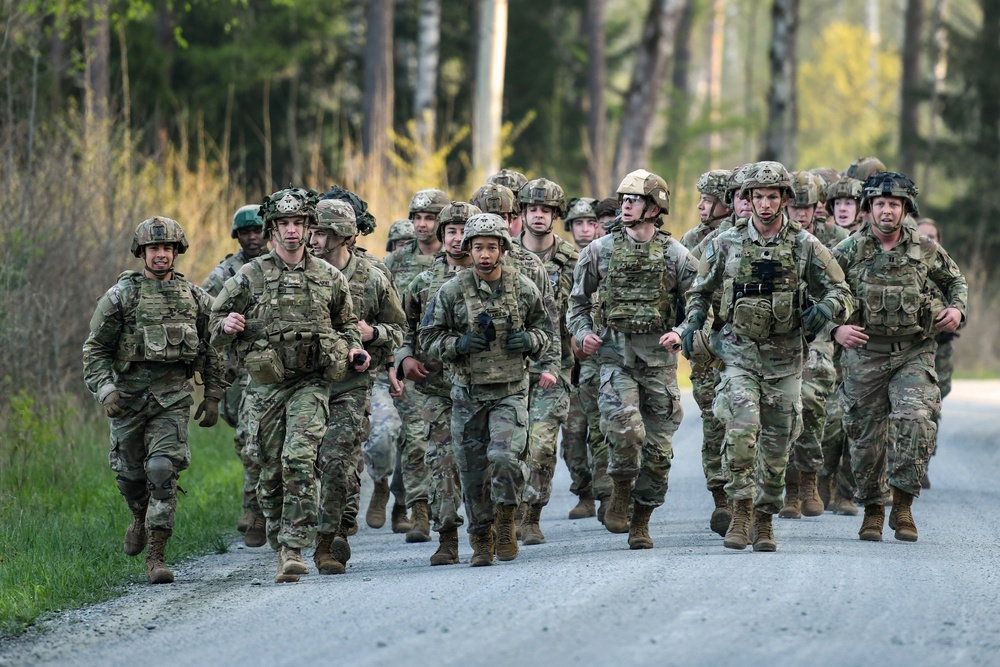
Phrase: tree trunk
(488, 102)
(378, 87)
(715, 52)
(939, 56)
(292, 131)
(986, 82)
(677, 112)
(597, 123)
(645, 93)
(428, 55)
(779, 135)
(910, 90)
(97, 73)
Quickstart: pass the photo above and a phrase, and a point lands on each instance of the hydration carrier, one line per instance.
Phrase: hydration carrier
(893, 299)
(763, 298)
(636, 296)
(494, 365)
(165, 328)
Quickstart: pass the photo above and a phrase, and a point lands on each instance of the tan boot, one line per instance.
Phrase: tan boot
(135, 534)
(482, 548)
(375, 516)
(843, 506)
(421, 530)
(792, 509)
(291, 563)
(638, 533)
(616, 518)
(763, 532)
(532, 533)
(584, 507)
(340, 547)
(283, 577)
(901, 516)
(812, 504)
(520, 512)
(156, 570)
(871, 526)
(323, 557)
(400, 522)
(721, 516)
(602, 509)
(256, 535)
(246, 520)
(447, 551)
(738, 535)
(506, 540)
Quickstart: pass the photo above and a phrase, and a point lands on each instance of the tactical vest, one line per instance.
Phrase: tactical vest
(164, 328)
(635, 296)
(440, 273)
(359, 284)
(762, 300)
(494, 365)
(891, 290)
(410, 262)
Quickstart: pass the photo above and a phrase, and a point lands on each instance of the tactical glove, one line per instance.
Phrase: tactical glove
(697, 321)
(814, 318)
(113, 405)
(471, 342)
(210, 409)
(518, 342)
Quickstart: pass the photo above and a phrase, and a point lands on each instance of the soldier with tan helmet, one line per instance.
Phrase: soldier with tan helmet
(639, 274)
(148, 334)
(485, 324)
(843, 203)
(767, 268)
(401, 233)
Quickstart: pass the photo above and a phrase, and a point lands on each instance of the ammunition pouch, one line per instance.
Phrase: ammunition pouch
(264, 365)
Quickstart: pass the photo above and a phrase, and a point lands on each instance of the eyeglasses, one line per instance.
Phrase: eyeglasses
(633, 199)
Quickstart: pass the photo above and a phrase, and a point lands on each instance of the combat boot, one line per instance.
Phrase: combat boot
(763, 539)
(638, 532)
(290, 565)
(156, 570)
(616, 518)
(482, 548)
(792, 509)
(256, 535)
(375, 516)
(812, 504)
(721, 516)
(135, 535)
(871, 526)
(340, 547)
(584, 507)
(400, 522)
(447, 551)
(901, 516)
(602, 508)
(246, 520)
(519, 513)
(532, 533)
(843, 506)
(925, 482)
(825, 487)
(323, 557)
(738, 535)
(421, 530)
(506, 541)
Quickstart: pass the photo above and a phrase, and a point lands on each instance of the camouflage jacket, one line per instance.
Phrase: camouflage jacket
(696, 235)
(828, 233)
(559, 262)
(226, 269)
(405, 263)
(105, 366)
(592, 269)
(377, 263)
(532, 268)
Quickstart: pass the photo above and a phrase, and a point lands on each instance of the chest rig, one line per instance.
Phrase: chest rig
(635, 297)
(163, 324)
(495, 320)
(761, 299)
(891, 288)
(408, 265)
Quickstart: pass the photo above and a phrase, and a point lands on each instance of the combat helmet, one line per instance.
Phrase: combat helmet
(246, 217)
(337, 217)
(365, 220)
(715, 183)
(805, 189)
(290, 203)
(645, 184)
(496, 198)
(890, 184)
(486, 224)
(579, 208)
(431, 200)
(844, 188)
(864, 167)
(510, 179)
(736, 182)
(827, 177)
(766, 174)
(401, 230)
(158, 230)
(543, 192)
(454, 213)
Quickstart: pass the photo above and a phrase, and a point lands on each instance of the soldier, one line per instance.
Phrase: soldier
(843, 201)
(639, 273)
(400, 234)
(714, 207)
(248, 229)
(606, 211)
(542, 203)
(510, 179)
(290, 317)
(485, 323)
(430, 379)
(380, 325)
(766, 267)
(888, 361)
(405, 263)
(149, 332)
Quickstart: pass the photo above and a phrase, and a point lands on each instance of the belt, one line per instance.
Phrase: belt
(890, 344)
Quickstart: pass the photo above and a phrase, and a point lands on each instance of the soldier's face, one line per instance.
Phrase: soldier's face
(887, 213)
(930, 231)
(453, 240)
(424, 224)
(845, 212)
(485, 253)
(705, 205)
(632, 207)
(804, 215)
(539, 217)
(318, 239)
(584, 231)
(396, 245)
(251, 240)
(514, 225)
(602, 224)
(159, 258)
(766, 204)
(291, 232)
(742, 207)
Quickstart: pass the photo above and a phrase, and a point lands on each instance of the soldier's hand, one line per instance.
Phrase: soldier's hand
(364, 359)
(234, 323)
(396, 387)
(471, 342)
(413, 369)
(547, 380)
(367, 331)
(209, 408)
(850, 336)
(592, 343)
(518, 342)
(687, 340)
(815, 317)
(113, 406)
(671, 342)
(577, 350)
(948, 320)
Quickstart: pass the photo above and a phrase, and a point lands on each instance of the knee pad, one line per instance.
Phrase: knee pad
(162, 477)
(132, 489)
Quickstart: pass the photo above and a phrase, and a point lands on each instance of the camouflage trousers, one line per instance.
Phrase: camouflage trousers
(836, 450)
(490, 441)
(147, 429)
(385, 438)
(819, 381)
(944, 365)
(713, 432)
(287, 422)
(337, 463)
(547, 409)
(762, 417)
(583, 446)
(233, 412)
(416, 479)
(882, 389)
(445, 497)
(640, 412)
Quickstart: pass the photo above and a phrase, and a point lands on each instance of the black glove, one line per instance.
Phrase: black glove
(518, 342)
(814, 318)
(471, 342)
(113, 405)
(210, 409)
(698, 319)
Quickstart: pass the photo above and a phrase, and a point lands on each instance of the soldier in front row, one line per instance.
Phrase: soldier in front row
(147, 335)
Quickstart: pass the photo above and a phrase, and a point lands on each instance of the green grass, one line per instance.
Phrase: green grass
(62, 519)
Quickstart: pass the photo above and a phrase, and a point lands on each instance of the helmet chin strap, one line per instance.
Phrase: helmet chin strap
(765, 221)
(159, 273)
(457, 255)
